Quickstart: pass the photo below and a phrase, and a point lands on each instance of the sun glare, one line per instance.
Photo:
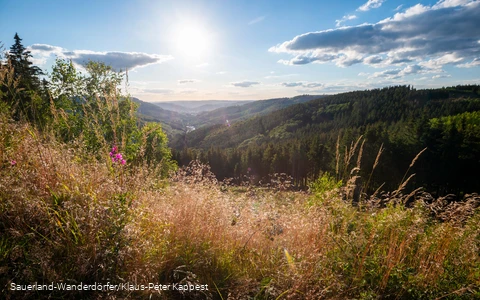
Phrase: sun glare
(192, 41)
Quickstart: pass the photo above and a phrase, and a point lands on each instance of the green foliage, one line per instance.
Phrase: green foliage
(323, 188)
(303, 137)
(83, 109)
(21, 88)
(90, 107)
(453, 143)
(103, 80)
(156, 150)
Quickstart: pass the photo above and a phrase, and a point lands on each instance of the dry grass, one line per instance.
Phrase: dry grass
(67, 217)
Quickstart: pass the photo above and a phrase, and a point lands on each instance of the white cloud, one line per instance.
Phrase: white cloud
(116, 59)
(441, 76)
(44, 49)
(373, 60)
(244, 83)
(451, 3)
(188, 91)
(473, 63)
(256, 20)
(157, 91)
(410, 12)
(308, 58)
(292, 84)
(303, 84)
(408, 70)
(41, 52)
(428, 36)
(390, 74)
(185, 81)
(371, 4)
(345, 18)
(398, 7)
(279, 76)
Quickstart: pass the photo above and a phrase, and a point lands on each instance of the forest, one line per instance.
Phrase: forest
(302, 140)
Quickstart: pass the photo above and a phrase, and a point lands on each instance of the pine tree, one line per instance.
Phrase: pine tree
(19, 57)
(29, 102)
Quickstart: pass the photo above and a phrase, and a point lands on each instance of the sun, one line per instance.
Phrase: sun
(192, 41)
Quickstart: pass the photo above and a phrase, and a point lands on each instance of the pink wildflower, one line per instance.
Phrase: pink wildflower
(117, 157)
(13, 162)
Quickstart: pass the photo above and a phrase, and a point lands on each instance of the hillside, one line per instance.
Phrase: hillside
(238, 112)
(300, 140)
(195, 107)
(176, 116)
(173, 122)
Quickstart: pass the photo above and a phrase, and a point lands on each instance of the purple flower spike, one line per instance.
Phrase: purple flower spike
(123, 162)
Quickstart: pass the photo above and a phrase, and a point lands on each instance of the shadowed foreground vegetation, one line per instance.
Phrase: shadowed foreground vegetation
(65, 217)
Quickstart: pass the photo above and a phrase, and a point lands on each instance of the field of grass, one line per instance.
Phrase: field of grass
(66, 217)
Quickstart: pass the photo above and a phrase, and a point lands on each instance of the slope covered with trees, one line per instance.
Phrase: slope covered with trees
(174, 123)
(301, 140)
(197, 115)
(235, 113)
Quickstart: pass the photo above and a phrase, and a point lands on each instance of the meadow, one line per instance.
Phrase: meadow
(67, 217)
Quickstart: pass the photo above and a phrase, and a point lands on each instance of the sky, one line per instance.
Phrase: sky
(253, 50)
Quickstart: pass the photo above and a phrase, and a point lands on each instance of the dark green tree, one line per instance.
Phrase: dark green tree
(29, 101)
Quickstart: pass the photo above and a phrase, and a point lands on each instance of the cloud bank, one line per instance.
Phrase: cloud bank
(303, 84)
(244, 84)
(425, 36)
(116, 59)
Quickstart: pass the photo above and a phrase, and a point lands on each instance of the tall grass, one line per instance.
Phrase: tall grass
(64, 218)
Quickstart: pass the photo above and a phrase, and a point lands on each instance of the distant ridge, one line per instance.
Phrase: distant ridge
(195, 107)
(252, 108)
(175, 116)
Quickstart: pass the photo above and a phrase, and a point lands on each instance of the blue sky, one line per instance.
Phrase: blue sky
(203, 50)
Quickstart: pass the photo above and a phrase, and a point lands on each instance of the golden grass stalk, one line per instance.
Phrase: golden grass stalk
(402, 186)
(375, 164)
(412, 163)
(337, 156)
